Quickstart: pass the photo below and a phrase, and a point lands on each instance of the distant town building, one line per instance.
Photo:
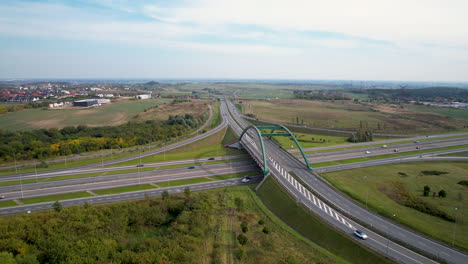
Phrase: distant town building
(86, 102)
(143, 96)
(103, 101)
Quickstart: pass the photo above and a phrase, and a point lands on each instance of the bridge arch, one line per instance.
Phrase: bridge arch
(260, 135)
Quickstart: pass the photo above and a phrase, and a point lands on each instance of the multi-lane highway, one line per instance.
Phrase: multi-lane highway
(125, 196)
(125, 179)
(342, 212)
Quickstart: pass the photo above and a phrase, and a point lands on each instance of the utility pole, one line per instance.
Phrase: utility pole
(455, 227)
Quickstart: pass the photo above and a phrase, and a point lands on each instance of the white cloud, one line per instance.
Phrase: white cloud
(435, 21)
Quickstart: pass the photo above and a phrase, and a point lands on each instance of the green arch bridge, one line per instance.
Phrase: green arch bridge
(283, 131)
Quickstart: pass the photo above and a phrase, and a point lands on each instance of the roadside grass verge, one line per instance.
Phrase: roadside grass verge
(378, 144)
(182, 182)
(372, 184)
(57, 197)
(7, 204)
(399, 154)
(458, 154)
(212, 146)
(312, 227)
(124, 189)
(216, 115)
(236, 175)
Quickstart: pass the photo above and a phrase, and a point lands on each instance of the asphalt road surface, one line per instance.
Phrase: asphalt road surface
(126, 196)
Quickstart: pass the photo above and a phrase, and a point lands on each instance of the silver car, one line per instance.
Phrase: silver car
(360, 234)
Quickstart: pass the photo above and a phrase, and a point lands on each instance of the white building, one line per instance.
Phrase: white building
(103, 101)
(143, 96)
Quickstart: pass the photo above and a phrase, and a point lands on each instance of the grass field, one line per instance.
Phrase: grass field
(458, 154)
(348, 115)
(208, 147)
(7, 204)
(375, 182)
(161, 113)
(450, 112)
(124, 189)
(57, 197)
(309, 141)
(182, 182)
(310, 226)
(112, 114)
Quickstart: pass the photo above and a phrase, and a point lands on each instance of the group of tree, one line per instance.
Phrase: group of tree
(172, 230)
(18, 107)
(427, 191)
(429, 94)
(320, 95)
(363, 134)
(44, 143)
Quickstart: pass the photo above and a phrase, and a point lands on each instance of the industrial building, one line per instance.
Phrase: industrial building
(143, 96)
(86, 102)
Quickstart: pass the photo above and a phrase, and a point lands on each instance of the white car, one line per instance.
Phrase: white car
(360, 234)
(245, 180)
(384, 146)
(367, 152)
(2, 196)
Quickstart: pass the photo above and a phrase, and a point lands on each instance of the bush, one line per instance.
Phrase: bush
(434, 172)
(261, 222)
(464, 183)
(266, 230)
(442, 193)
(242, 239)
(427, 190)
(241, 253)
(244, 227)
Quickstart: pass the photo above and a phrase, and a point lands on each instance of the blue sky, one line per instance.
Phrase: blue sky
(421, 40)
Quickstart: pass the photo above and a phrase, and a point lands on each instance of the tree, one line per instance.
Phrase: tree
(242, 239)
(244, 226)
(187, 192)
(442, 193)
(427, 190)
(165, 195)
(57, 206)
(7, 258)
(261, 222)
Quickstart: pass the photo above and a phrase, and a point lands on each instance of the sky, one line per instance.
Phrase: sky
(412, 40)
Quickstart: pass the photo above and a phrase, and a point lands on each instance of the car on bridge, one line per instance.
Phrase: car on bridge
(360, 234)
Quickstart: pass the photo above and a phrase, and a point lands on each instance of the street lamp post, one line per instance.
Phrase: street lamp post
(388, 240)
(455, 227)
(367, 190)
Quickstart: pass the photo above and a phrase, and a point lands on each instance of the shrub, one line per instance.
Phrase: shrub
(464, 183)
(427, 190)
(266, 230)
(442, 193)
(242, 239)
(261, 222)
(434, 172)
(244, 227)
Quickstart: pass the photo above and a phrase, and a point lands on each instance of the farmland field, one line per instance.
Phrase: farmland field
(113, 114)
(348, 115)
(381, 186)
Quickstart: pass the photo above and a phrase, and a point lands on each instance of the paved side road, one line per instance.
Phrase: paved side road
(126, 196)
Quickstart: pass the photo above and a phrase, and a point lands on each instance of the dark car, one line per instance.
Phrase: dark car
(140, 165)
(191, 167)
(211, 159)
